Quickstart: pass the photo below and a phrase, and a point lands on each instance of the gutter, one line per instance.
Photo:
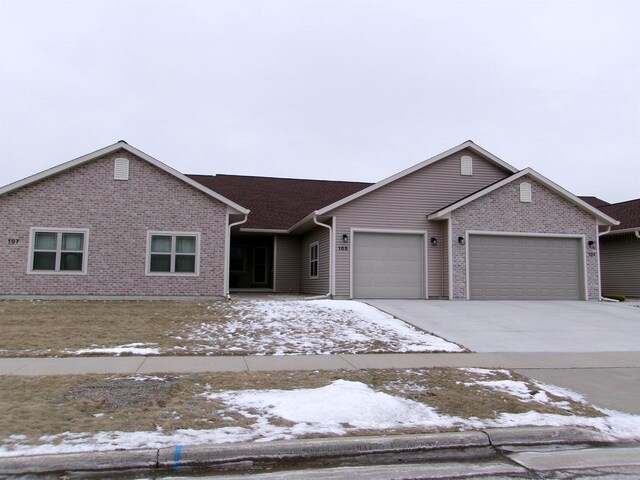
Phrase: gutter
(227, 253)
(331, 253)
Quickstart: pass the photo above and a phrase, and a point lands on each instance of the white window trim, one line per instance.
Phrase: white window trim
(173, 234)
(85, 251)
(317, 259)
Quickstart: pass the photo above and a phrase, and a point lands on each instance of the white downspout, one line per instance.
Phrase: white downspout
(638, 233)
(607, 231)
(331, 252)
(227, 253)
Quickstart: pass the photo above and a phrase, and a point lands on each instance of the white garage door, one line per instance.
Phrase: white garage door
(524, 268)
(388, 265)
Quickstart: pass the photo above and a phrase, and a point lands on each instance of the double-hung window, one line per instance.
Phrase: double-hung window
(314, 250)
(54, 250)
(173, 253)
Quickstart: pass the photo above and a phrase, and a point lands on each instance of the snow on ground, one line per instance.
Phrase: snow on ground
(129, 348)
(279, 327)
(341, 408)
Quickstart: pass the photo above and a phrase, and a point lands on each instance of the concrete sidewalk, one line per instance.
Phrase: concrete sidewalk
(608, 379)
(255, 363)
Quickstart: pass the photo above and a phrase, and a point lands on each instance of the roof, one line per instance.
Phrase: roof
(278, 203)
(627, 212)
(602, 218)
(120, 145)
(465, 145)
(594, 201)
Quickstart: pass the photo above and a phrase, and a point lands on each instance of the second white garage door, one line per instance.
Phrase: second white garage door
(388, 265)
(524, 268)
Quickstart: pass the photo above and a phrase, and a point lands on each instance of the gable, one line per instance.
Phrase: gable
(120, 146)
(514, 181)
(426, 189)
(92, 187)
(462, 152)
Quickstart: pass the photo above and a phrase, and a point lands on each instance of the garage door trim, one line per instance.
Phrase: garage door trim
(584, 290)
(424, 233)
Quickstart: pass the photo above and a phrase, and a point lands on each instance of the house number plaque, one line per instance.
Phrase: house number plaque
(343, 248)
(13, 241)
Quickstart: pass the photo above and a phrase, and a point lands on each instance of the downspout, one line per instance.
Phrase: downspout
(607, 231)
(638, 233)
(227, 249)
(331, 252)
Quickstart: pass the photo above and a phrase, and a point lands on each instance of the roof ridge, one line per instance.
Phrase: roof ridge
(276, 178)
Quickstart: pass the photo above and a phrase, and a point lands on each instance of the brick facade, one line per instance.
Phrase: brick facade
(118, 215)
(502, 211)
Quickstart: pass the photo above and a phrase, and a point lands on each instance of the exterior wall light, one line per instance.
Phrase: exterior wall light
(591, 244)
(434, 241)
(345, 238)
(461, 240)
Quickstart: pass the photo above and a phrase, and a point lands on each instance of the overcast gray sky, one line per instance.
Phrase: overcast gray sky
(344, 90)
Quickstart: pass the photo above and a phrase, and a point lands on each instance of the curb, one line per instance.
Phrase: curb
(327, 451)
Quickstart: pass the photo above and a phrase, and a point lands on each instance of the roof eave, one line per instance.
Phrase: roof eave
(468, 144)
(112, 148)
(601, 218)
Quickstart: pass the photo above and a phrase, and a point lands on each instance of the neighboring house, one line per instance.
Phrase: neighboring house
(461, 225)
(620, 248)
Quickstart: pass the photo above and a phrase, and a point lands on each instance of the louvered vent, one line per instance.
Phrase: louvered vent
(121, 169)
(466, 165)
(525, 192)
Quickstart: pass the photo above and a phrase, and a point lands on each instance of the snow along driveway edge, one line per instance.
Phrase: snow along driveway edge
(475, 444)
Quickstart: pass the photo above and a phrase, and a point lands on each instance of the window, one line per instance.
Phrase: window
(58, 250)
(173, 253)
(313, 260)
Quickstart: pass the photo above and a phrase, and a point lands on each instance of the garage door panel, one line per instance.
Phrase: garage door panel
(388, 265)
(524, 268)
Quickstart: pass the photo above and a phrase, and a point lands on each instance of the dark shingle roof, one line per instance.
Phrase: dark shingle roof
(627, 213)
(594, 201)
(278, 203)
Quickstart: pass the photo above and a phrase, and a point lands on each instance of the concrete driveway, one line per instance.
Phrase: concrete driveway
(521, 326)
(551, 329)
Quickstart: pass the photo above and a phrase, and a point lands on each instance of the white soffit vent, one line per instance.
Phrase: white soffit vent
(466, 165)
(525, 192)
(121, 169)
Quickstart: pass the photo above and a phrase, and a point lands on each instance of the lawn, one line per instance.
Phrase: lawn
(236, 327)
(106, 412)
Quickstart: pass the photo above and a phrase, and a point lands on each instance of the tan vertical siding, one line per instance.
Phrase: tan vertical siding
(405, 204)
(620, 265)
(320, 285)
(288, 264)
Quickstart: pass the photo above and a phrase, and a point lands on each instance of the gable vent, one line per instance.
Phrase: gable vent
(466, 165)
(121, 169)
(525, 192)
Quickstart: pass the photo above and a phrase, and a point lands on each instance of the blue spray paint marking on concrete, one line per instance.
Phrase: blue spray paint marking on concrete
(176, 457)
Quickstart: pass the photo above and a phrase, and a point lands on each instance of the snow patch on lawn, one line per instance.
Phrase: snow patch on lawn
(129, 348)
(311, 327)
(340, 408)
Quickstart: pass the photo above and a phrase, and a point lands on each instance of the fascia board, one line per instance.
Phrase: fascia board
(60, 168)
(601, 217)
(112, 148)
(468, 144)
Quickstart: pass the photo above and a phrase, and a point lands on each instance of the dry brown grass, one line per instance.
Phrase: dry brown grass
(36, 406)
(36, 328)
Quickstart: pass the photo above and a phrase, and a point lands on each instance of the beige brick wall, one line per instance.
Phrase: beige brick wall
(502, 211)
(118, 215)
